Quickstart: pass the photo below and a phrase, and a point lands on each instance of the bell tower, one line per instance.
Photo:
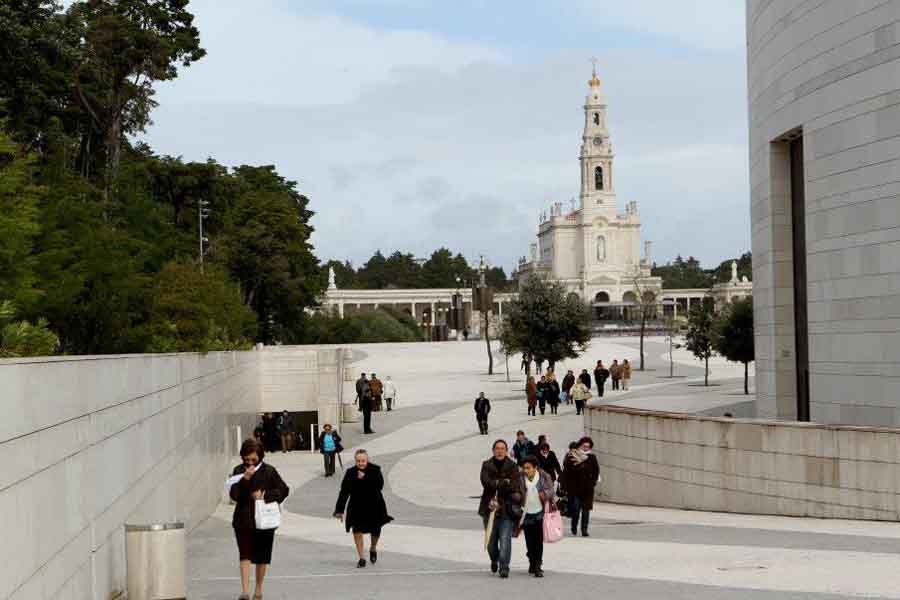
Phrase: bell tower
(597, 191)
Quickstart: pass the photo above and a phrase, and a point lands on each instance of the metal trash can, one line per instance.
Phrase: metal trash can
(155, 561)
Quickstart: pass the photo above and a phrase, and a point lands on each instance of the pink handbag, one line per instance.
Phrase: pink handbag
(553, 525)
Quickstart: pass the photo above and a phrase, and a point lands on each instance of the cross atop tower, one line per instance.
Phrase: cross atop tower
(595, 81)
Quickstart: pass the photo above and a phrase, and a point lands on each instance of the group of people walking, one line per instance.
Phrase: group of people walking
(574, 390)
(278, 432)
(372, 395)
(518, 492)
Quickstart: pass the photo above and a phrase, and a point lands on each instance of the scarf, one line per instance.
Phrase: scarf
(579, 455)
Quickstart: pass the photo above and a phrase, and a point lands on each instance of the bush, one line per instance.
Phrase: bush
(382, 325)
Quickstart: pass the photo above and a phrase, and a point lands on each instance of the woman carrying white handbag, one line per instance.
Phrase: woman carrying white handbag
(258, 491)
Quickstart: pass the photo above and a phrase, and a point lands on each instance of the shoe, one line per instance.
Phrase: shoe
(361, 564)
(584, 534)
(373, 556)
(574, 532)
(244, 597)
(538, 572)
(530, 569)
(504, 573)
(494, 566)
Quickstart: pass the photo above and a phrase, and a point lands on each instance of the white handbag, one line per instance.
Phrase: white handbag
(268, 515)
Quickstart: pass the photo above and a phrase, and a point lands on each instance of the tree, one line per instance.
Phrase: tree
(700, 338)
(442, 269)
(745, 268)
(734, 335)
(683, 274)
(344, 274)
(545, 323)
(645, 300)
(21, 338)
(128, 46)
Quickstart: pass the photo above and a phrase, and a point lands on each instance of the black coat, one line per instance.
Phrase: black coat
(266, 479)
(585, 378)
(366, 511)
(503, 483)
(601, 375)
(580, 479)
(482, 407)
(520, 451)
(553, 391)
(568, 382)
(550, 464)
(335, 437)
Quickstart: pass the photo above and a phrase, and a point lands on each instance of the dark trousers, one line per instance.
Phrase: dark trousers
(600, 386)
(615, 384)
(531, 410)
(389, 402)
(534, 542)
(579, 407)
(329, 463)
(542, 404)
(482, 425)
(553, 406)
(367, 420)
(578, 509)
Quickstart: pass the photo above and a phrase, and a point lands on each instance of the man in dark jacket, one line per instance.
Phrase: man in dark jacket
(366, 404)
(503, 495)
(547, 461)
(585, 378)
(567, 383)
(601, 374)
(523, 447)
(359, 387)
(482, 409)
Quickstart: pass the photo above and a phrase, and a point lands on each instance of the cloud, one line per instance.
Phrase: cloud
(428, 141)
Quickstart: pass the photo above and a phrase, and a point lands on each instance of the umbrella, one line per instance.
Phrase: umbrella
(489, 529)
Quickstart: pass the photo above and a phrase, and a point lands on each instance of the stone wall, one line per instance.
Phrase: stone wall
(685, 461)
(90, 443)
(828, 72)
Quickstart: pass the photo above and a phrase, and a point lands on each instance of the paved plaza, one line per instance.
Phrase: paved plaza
(430, 450)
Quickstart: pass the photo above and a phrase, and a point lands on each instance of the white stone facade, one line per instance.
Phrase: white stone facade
(824, 83)
(594, 250)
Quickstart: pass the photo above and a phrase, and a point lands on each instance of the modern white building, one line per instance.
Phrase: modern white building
(595, 250)
(824, 100)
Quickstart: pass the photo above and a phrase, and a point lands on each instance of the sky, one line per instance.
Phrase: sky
(416, 124)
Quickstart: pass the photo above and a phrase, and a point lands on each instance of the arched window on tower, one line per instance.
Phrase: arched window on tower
(598, 178)
(596, 118)
(601, 248)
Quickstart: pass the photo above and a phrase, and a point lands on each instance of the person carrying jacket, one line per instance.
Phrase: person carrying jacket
(482, 410)
(502, 495)
(329, 445)
(523, 447)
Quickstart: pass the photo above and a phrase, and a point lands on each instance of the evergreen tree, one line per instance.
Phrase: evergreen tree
(700, 337)
(734, 335)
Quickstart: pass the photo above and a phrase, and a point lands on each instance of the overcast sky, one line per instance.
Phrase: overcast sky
(415, 124)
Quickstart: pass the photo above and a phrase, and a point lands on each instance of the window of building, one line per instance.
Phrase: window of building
(598, 178)
(596, 118)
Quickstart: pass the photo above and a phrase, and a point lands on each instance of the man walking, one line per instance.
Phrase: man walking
(523, 447)
(366, 403)
(390, 393)
(601, 374)
(359, 387)
(377, 390)
(567, 384)
(501, 506)
(285, 430)
(585, 378)
(615, 373)
(482, 409)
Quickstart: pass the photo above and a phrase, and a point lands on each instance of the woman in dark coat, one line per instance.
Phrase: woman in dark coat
(366, 512)
(581, 472)
(253, 480)
(553, 395)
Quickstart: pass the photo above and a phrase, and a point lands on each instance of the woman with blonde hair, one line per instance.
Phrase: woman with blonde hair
(362, 501)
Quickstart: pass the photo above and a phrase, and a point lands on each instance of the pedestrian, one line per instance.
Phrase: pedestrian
(525, 362)
(539, 492)
(543, 392)
(626, 374)
(601, 374)
(377, 390)
(270, 432)
(567, 383)
(531, 395)
(553, 395)
(360, 505)
(359, 389)
(482, 410)
(580, 394)
(615, 373)
(547, 460)
(259, 431)
(523, 447)
(466, 333)
(329, 445)
(581, 472)
(366, 404)
(253, 480)
(285, 430)
(585, 378)
(390, 394)
(501, 505)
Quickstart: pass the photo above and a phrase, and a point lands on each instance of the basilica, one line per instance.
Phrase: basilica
(594, 249)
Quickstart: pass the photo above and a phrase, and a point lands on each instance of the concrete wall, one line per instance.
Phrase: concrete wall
(90, 443)
(830, 69)
(746, 466)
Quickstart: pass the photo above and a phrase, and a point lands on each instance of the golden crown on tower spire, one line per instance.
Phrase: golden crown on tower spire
(594, 81)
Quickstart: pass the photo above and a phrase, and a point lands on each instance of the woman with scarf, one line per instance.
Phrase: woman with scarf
(539, 492)
(581, 472)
